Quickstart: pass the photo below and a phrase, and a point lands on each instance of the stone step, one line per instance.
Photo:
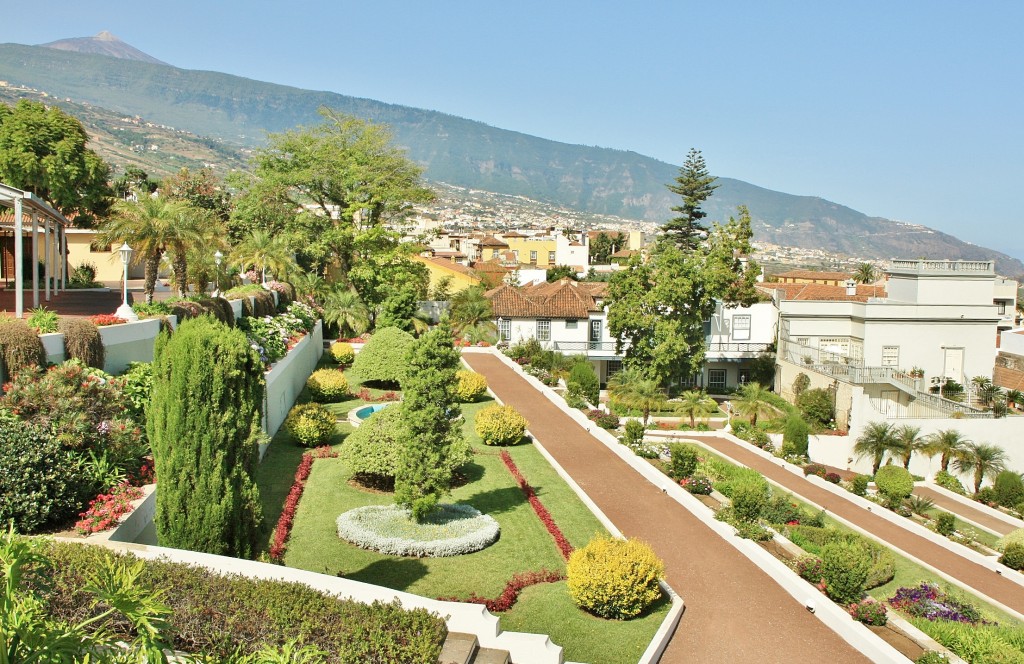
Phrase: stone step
(490, 656)
(458, 648)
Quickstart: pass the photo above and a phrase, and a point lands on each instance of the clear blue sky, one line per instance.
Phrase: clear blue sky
(911, 110)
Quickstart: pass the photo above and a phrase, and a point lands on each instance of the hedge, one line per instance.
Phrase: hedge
(383, 359)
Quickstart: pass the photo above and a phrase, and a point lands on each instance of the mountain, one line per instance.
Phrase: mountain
(103, 43)
(466, 153)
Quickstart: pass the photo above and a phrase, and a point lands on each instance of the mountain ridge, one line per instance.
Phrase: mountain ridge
(468, 153)
(103, 43)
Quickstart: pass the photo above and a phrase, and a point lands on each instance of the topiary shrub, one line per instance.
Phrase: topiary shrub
(894, 483)
(327, 385)
(1013, 557)
(682, 460)
(817, 406)
(614, 578)
(1009, 488)
(500, 425)
(949, 482)
(41, 483)
(583, 381)
(342, 353)
(82, 341)
(263, 304)
(470, 386)
(310, 424)
(945, 524)
(382, 359)
(795, 435)
(845, 567)
(801, 383)
(204, 424)
(20, 346)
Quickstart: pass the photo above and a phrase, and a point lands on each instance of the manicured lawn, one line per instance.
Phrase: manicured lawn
(524, 545)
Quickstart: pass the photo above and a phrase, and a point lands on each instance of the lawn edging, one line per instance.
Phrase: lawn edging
(833, 616)
(969, 502)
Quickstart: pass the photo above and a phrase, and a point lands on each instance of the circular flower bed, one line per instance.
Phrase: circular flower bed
(451, 530)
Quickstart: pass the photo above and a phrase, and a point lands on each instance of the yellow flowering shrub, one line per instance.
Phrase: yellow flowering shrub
(500, 425)
(471, 386)
(310, 424)
(342, 353)
(614, 578)
(327, 385)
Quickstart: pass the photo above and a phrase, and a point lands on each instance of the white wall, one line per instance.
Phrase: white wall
(764, 318)
(287, 378)
(1012, 341)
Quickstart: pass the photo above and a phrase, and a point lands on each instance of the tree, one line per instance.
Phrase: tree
(909, 440)
(982, 459)
(265, 251)
(471, 310)
(43, 150)
(865, 274)
(201, 190)
(878, 439)
(753, 401)
(559, 272)
(950, 443)
(134, 182)
(695, 185)
(342, 307)
(634, 390)
(603, 246)
(695, 403)
(423, 475)
(204, 423)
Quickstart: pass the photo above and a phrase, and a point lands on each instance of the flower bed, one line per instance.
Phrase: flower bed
(106, 509)
(452, 530)
(283, 529)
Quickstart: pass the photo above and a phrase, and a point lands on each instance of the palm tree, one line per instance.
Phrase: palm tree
(878, 439)
(1015, 397)
(472, 315)
(753, 402)
(910, 440)
(865, 274)
(342, 307)
(633, 389)
(310, 284)
(983, 460)
(266, 251)
(950, 443)
(695, 403)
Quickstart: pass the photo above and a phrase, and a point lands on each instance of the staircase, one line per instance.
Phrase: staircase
(462, 648)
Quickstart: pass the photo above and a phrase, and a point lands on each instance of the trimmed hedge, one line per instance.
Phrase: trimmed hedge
(845, 567)
(500, 425)
(342, 353)
(327, 385)
(215, 615)
(894, 483)
(310, 424)
(471, 386)
(383, 359)
(82, 341)
(614, 578)
(20, 346)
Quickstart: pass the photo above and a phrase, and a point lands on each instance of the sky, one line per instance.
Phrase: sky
(909, 110)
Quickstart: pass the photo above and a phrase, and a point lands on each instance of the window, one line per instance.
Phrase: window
(533, 257)
(716, 379)
(504, 329)
(572, 324)
(595, 335)
(515, 254)
(890, 356)
(614, 367)
(741, 327)
(834, 349)
(1001, 308)
(543, 330)
(494, 253)
(551, 257)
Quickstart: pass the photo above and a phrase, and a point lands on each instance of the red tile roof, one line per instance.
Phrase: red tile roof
(491, 241)
(562, 299)
(824, 292)
(815, 275)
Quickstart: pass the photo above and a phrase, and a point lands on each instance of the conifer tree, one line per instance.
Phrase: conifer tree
(203, 424)
(428, 400)
(695, 185)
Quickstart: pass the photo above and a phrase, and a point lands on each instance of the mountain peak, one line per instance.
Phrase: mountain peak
(103, 43)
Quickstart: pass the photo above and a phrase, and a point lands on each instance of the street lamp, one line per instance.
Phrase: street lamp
(217, 258)
(125, 311)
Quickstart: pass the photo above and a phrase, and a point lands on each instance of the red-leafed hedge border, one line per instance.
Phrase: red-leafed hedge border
(507, 599)
(283, 530)
(542, 513)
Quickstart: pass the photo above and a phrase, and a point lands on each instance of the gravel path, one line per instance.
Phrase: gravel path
(735, 612)
(966, 511)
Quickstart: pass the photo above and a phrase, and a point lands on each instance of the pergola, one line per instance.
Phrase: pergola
(28, 207)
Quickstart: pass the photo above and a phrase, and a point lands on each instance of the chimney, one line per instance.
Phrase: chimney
(851, 287)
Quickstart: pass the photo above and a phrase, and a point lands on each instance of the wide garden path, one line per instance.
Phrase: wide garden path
(966, 511)
(977, 576)
(735, 612)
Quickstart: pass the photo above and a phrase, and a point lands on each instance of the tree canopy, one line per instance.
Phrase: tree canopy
(695, 185)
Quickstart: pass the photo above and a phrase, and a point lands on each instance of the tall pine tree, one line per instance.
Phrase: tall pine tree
(203, 424)
(428, 400)
(695, 185)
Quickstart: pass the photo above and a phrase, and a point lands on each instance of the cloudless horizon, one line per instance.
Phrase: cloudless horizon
(910, 111)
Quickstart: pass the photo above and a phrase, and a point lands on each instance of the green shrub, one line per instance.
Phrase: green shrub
(948, 481)
(263, 304)
(749, 500)
(633, 436)
(1009, 488)
(945, 524)
(794, 437)
(83, 276)
(801, 383)
(42, 320)
(500, 425)
(583, 380)
(327, 385)
(682, 460)
(859, 485)
(614, 578)
(310, 424)
(817, 406)
(41, 483)
(755, 436)
(82, 341)
(813, 539)
(342, 353)
(204, 424)
(845, 567)
(151, 309)
(1013, 537)
(781, 509)
(471, 386)
(894, 483)
(931, 657)
(137, 388)
(1013, 557)
(20, 346)
(382, 359)
(216, 614)
(738, 477)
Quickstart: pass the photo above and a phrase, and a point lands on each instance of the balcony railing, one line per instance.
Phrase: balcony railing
(738, 348)
(585, 346)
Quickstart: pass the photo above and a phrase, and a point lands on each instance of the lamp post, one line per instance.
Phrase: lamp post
(125, 311)
(217, 258)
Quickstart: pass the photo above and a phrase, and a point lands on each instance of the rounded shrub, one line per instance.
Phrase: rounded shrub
(749, 500)
(945, 524)
(614, 578)
(82, 341)
(859, 485)
(894, 483)
(500, 425)
(1009, 488)
(383, 359)
(817, 405)
(342, 353)
(633, 434)
(20, 346)
(583, 382)
(327, 385)
(310, 424)
(1011, 538)
(1013, 557)
(682, 460)
(795, 435)
(845, 567)
(470, 386)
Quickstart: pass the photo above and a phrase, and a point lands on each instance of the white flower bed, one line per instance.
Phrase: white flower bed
(451, 531)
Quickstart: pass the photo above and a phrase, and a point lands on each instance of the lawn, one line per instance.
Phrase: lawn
(524, 545)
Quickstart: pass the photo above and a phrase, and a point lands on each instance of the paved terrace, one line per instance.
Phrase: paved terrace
(735, 612)
(69, 302)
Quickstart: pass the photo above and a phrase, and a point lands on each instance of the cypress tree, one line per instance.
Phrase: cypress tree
(203, 424)
(428, 400)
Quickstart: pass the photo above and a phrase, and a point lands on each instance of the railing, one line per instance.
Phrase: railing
(584, 346)
(738, 348)
(945, 266)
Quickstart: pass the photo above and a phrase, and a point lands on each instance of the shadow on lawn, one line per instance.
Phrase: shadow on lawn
(396, 573)
(496, 501)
